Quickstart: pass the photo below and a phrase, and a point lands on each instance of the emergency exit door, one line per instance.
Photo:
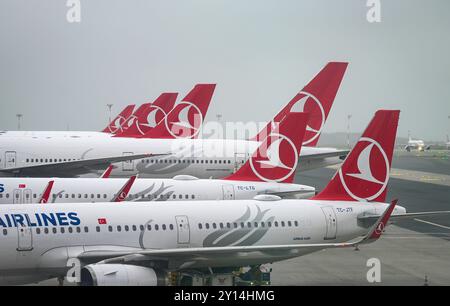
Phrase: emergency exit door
(183, 229)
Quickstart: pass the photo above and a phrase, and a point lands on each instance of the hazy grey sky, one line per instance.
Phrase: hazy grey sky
(260, 53)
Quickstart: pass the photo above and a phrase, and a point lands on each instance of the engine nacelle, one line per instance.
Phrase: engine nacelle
(121, 275)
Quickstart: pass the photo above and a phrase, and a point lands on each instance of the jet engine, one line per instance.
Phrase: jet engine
(121, 275)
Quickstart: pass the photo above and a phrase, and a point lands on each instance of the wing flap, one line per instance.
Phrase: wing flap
(72, 168)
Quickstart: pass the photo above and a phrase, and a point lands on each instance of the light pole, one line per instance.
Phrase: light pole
(19, 118)
(349, 116)
(109, 109)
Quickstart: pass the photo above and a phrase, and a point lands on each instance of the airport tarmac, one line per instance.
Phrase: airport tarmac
(415, 252)
(412, 252)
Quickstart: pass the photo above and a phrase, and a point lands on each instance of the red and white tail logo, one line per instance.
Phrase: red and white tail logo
(276, 158)
(150, 115)
(364, 175)
(316, 98)
(186, 118)
(116, 125)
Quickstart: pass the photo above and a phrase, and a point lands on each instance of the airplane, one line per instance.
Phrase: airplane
(138, 244)
(246, 183)
(115, 126)
(415, 144)
(173, 139)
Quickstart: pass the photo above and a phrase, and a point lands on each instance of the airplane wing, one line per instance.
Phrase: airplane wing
(334, 153)
(290, 194)
(183, 258)
(408, 215)
(71, 168)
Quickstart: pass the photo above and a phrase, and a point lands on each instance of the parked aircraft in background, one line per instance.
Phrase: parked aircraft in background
(183, 155)
(115, 126)
(416, 144)
(278, 168)
(136, 244)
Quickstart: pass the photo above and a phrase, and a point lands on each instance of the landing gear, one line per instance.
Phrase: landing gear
(60, 281)
(258, 275)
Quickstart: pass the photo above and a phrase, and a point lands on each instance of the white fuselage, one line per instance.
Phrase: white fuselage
(203, 158)
(53, 134)
(36, 241)
(70, 190)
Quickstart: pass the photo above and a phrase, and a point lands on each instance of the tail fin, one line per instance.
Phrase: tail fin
(276, 158)
(116, 124)
(315, 98)
(150, 115)
(364, 175)
(132, 119)
(186, 118)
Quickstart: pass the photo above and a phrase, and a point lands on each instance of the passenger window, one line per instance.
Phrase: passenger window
(186, 197)
(269, 224)
(73, 195)
(141, 227)
(127, 228)
(46, 230)
(262, 224)
(207, 225)
(134, 228)
(119, 228)
(221, 225)
(214, 226)
(242, 225)
(180, 196)
(296, 223)
(156, 227)
(275, 223)
(5, 232)
(249, 224)
(38, 230)
(78, 229)
(235, 225)
(110, 228)
(63, 230)
(228, 225)
(98, 229)
(282, 224)
(149, 227)
(164, 227)
(171, 227)
(289, 223)
(70, 230)
(53, 230)
(193, 197)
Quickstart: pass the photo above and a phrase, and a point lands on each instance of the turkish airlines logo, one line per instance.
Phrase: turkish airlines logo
(380, 228)
(131, 121)
(277, 160)
(117, 124)
(154, 117)
(370, 173)
(310, 104)
(188, 121)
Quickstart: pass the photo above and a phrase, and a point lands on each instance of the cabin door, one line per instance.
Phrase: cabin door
(25, 238)
(10, 159)
(331, 222)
